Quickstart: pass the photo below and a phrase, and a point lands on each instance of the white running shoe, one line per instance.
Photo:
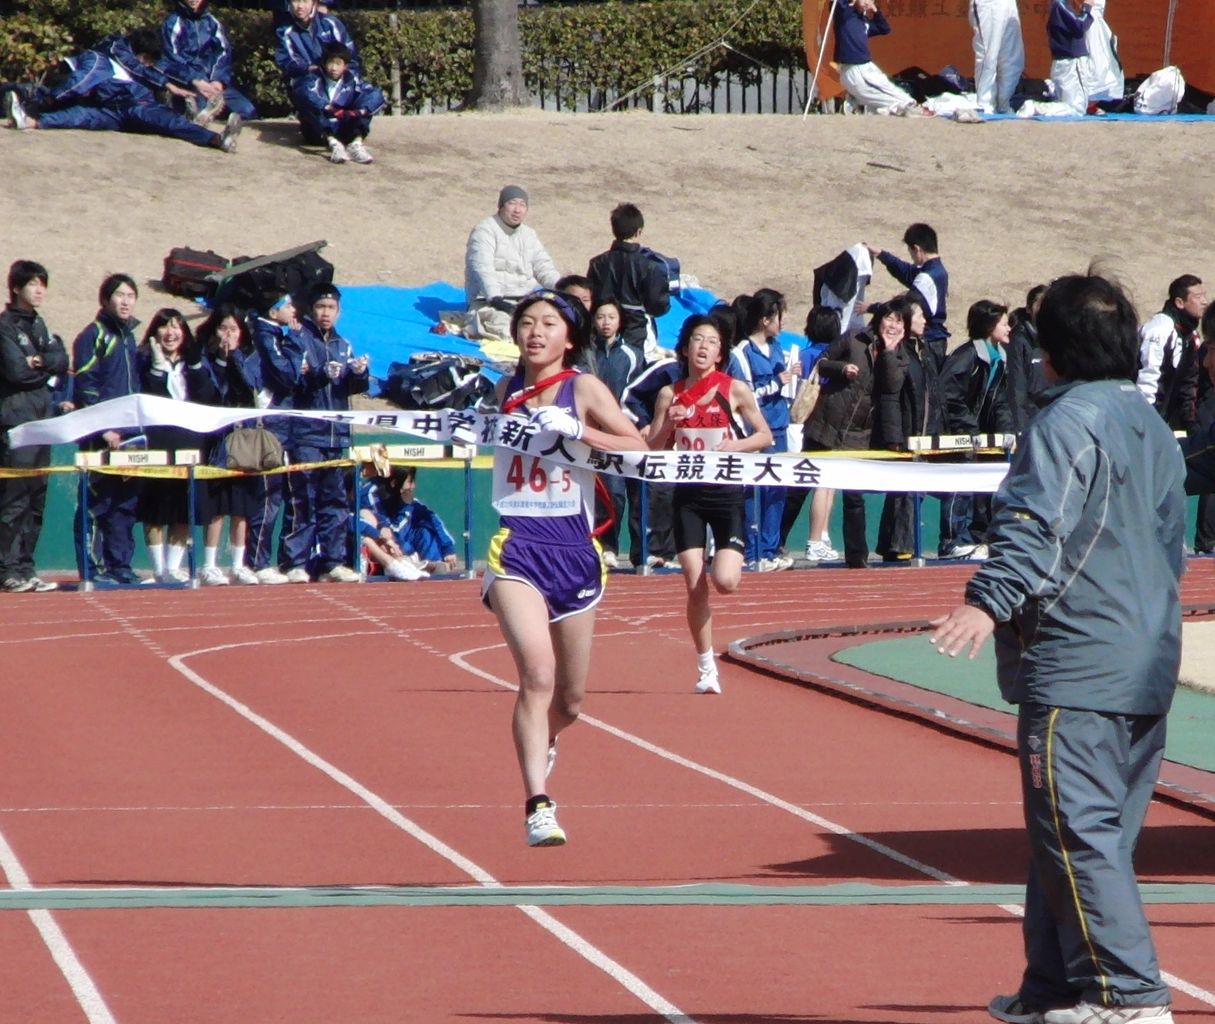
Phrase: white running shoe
(213, 576)
(980, 552)
(821, 551)
(404, 569)
(340, 574)
(173, 576)
(227, 141)
(41, 586)
(244, 575)
(783, 562)
(610, 560)
(272, 575)
(337, 152)
(1089, 1013)
(708, 682)
(297, 575)
(16, 112)
(542, 827)
(209, 112)
(359, 153)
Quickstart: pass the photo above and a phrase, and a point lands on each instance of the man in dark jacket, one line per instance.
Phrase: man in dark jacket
(1025, 379)
(1082, 589)
(627, 274)
(31, 359)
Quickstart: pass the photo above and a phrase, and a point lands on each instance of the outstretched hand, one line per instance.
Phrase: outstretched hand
(964, 627)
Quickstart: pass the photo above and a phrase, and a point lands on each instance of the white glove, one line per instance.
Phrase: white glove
(334, 369)
(552, 417)
(160, 362)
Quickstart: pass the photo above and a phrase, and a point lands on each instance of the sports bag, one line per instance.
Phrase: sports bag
(1160, 92)
(296, 275)
(252, 449)
(186, 271)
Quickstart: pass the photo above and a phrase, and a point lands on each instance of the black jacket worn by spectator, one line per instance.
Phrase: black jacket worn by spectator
(1025, 376)
(973, 400)
(906, 398)
(634, 280)
(843, 417)
(25, 393)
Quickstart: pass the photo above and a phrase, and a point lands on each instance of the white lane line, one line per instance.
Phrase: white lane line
(90, 1000)
(592, 954)
(459, 658)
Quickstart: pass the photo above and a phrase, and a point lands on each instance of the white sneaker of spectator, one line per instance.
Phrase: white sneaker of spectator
(213, 576)
(244, 575)
(359, 153)
(16, 112)
(340, 574)
(227, 141)
(272, 574)
(298, 575)
(337, 152)
(210, 111)
(404, 569)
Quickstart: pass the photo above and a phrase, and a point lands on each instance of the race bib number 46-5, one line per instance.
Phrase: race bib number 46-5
(527, 486)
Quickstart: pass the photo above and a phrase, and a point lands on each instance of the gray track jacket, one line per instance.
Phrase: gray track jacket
(1084, 573)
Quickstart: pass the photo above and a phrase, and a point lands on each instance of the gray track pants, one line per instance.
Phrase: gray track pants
(1087, 779)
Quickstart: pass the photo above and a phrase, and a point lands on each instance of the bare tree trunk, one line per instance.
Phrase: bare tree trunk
(497, 57)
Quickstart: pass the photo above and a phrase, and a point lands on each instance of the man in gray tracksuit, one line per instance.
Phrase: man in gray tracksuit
(1082, 591)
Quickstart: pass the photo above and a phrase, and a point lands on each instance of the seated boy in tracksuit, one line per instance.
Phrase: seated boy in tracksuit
(109, 88)
(300, 44)
(394, 525)
(337, 105)
(197, 55)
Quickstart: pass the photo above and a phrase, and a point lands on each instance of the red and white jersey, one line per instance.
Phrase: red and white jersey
(708, 422)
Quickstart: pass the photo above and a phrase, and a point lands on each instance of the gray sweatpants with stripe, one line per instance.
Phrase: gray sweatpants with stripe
(1087, 779)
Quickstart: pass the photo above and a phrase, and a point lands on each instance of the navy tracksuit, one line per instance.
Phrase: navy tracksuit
(317, 517)
(101, 94)
(764, 505)
(341, 109)
(197, 47)
(271, 371)
(104, 357)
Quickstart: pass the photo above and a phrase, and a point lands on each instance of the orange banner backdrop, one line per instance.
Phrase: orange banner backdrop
(933, 33)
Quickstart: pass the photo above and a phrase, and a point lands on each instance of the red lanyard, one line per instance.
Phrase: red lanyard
(519, 397)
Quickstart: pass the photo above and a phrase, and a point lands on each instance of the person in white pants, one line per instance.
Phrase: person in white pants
(866, 84)
(999, 53)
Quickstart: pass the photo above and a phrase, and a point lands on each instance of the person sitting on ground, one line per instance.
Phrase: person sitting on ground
(628, 274)
(1070, 67)
(974, 400)
(196, 53)
(927, 277)
(97, 91)
(503, 261)
(866, 84)
(300, 45)
(337, 105)
(171, 365)
(31, 362)
(410, 541)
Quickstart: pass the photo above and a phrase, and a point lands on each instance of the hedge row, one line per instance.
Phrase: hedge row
(613, 46)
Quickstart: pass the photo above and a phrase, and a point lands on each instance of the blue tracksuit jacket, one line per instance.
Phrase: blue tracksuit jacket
(118, 49)
(315, 389)
(416, 526)
(278, 358)
(852, 32)
(195, 47)
(315, 92)
(299, 47)
(931, 283)
(761, 372)
(1065, 30)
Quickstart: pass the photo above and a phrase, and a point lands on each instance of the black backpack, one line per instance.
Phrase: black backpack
(296, 275)
(431, 380)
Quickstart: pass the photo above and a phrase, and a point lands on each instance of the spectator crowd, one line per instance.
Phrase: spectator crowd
(886, 372)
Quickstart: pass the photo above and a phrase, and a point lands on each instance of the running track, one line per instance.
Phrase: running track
(162, 747)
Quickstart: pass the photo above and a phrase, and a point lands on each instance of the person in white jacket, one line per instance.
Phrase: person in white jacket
(503, 261)
(999, 53)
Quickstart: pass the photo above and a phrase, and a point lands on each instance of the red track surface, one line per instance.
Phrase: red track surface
(121, 769)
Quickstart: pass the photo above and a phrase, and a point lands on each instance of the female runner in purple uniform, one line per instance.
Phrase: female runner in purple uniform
(545, 573)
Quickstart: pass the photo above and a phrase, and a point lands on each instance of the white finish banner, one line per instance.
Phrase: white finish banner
(791, 469)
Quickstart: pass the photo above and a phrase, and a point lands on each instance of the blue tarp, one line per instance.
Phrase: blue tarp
(391, 324)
